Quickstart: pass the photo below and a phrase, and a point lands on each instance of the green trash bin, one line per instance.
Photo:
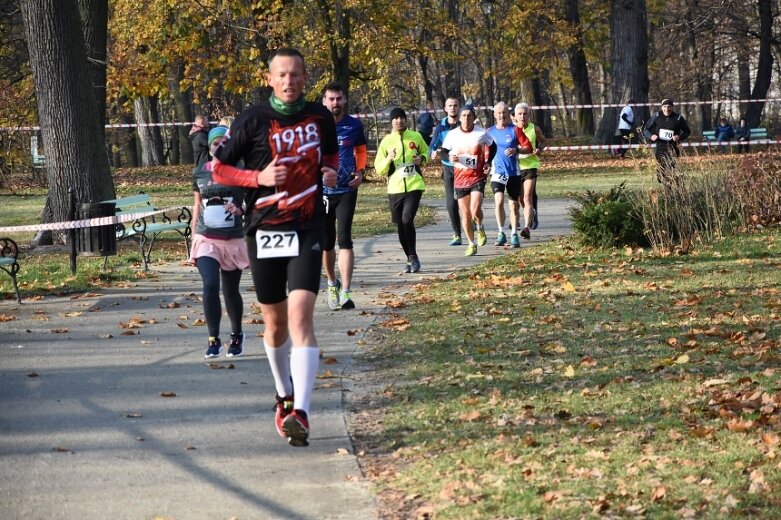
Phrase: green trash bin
(96, 240)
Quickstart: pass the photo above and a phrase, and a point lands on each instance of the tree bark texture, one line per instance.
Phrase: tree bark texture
(338, 28)
(182, 110)
(94, 20)
(145, 109)
(584, 117)
(765, 65)
(629, 63)
(73, 138)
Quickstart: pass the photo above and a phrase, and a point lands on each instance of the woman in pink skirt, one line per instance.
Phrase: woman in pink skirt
(219, 251)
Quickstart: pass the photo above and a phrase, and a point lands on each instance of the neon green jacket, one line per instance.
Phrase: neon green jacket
(402, 174)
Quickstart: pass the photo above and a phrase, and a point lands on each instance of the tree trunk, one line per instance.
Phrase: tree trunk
(765, 65)
(338, 29)
(629, 62)
(72, 134)
(94, 19)
(129, 151)
(145, 109)
(182, 110)
(584, 117)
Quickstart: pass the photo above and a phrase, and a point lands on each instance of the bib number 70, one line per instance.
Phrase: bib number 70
(276, 244)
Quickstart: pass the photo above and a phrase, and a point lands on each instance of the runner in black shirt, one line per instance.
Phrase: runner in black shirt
(667, 128)
(289, 150)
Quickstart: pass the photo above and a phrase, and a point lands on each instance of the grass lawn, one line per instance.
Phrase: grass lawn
(562, 382)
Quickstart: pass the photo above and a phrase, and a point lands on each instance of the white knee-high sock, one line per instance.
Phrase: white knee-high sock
(278, 358)
(304, 363)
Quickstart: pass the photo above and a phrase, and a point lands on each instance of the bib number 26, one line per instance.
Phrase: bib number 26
(276, 244)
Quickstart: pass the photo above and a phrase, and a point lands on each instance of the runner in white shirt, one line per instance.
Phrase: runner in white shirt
(471, 150)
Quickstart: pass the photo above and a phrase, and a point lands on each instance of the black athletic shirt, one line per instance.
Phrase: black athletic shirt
(304, 142)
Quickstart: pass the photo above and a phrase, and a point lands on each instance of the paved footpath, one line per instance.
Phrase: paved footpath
(103, 421)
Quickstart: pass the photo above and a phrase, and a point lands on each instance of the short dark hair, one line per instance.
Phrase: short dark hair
(287, 52)
(333, 87)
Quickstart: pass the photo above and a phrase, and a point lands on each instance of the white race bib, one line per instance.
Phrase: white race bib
(501, 178)
(406, 169)
(218, 217)
(468, 161)
(665, 135)
(276, 244)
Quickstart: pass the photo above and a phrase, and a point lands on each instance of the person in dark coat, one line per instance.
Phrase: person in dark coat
(667, 129)
(199, 137)
(724, 134)
(743, 133)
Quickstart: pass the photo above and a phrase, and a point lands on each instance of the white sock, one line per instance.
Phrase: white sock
(304, 363)
(278, 358)
(501, 229)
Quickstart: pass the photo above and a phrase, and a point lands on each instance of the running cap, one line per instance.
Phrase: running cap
(667, 101)
(398, 112)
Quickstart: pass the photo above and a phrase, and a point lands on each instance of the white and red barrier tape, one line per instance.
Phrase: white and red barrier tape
(85, 223)
(684, 144)
(367, 115)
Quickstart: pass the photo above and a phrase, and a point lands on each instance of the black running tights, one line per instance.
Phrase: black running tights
(211, 275)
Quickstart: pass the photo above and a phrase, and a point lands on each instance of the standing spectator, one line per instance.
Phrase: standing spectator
(341, 199)
(666, 129)
(724, 133)
(471, 150)
(199, 136)
(290, 152)
(625, 124)
(399, 157)
(448, 123)
(427, 121)
(218, 250)
(743, 133)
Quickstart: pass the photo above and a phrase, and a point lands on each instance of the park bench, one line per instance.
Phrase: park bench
(756, 133)
(145, 230)
(9, 261)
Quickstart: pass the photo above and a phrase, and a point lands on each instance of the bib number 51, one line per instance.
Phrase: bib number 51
(276, 244)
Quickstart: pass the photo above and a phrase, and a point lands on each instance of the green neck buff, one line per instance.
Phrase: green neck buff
(284, 108)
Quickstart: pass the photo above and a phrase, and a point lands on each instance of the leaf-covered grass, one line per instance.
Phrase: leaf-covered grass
(562, 382)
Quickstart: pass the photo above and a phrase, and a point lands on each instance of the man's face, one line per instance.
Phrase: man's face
(334, 102)
(399, 124)
(522, 116)
(667, 109)
(467, 120)
(286, 76)
(451, 107)
(502, 116)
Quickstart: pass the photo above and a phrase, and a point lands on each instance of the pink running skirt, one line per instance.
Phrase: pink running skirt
(231, 253)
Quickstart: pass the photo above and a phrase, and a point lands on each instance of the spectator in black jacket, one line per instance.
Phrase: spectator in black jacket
(743, 133)
(666, 129)
(427, 121)
(199, 136)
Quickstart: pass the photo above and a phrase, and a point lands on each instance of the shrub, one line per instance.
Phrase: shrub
(607, 219)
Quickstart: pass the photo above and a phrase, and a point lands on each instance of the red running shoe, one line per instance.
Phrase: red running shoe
(284, 408)
(296, 428)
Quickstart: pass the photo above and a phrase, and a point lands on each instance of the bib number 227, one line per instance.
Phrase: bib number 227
(276, 244)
